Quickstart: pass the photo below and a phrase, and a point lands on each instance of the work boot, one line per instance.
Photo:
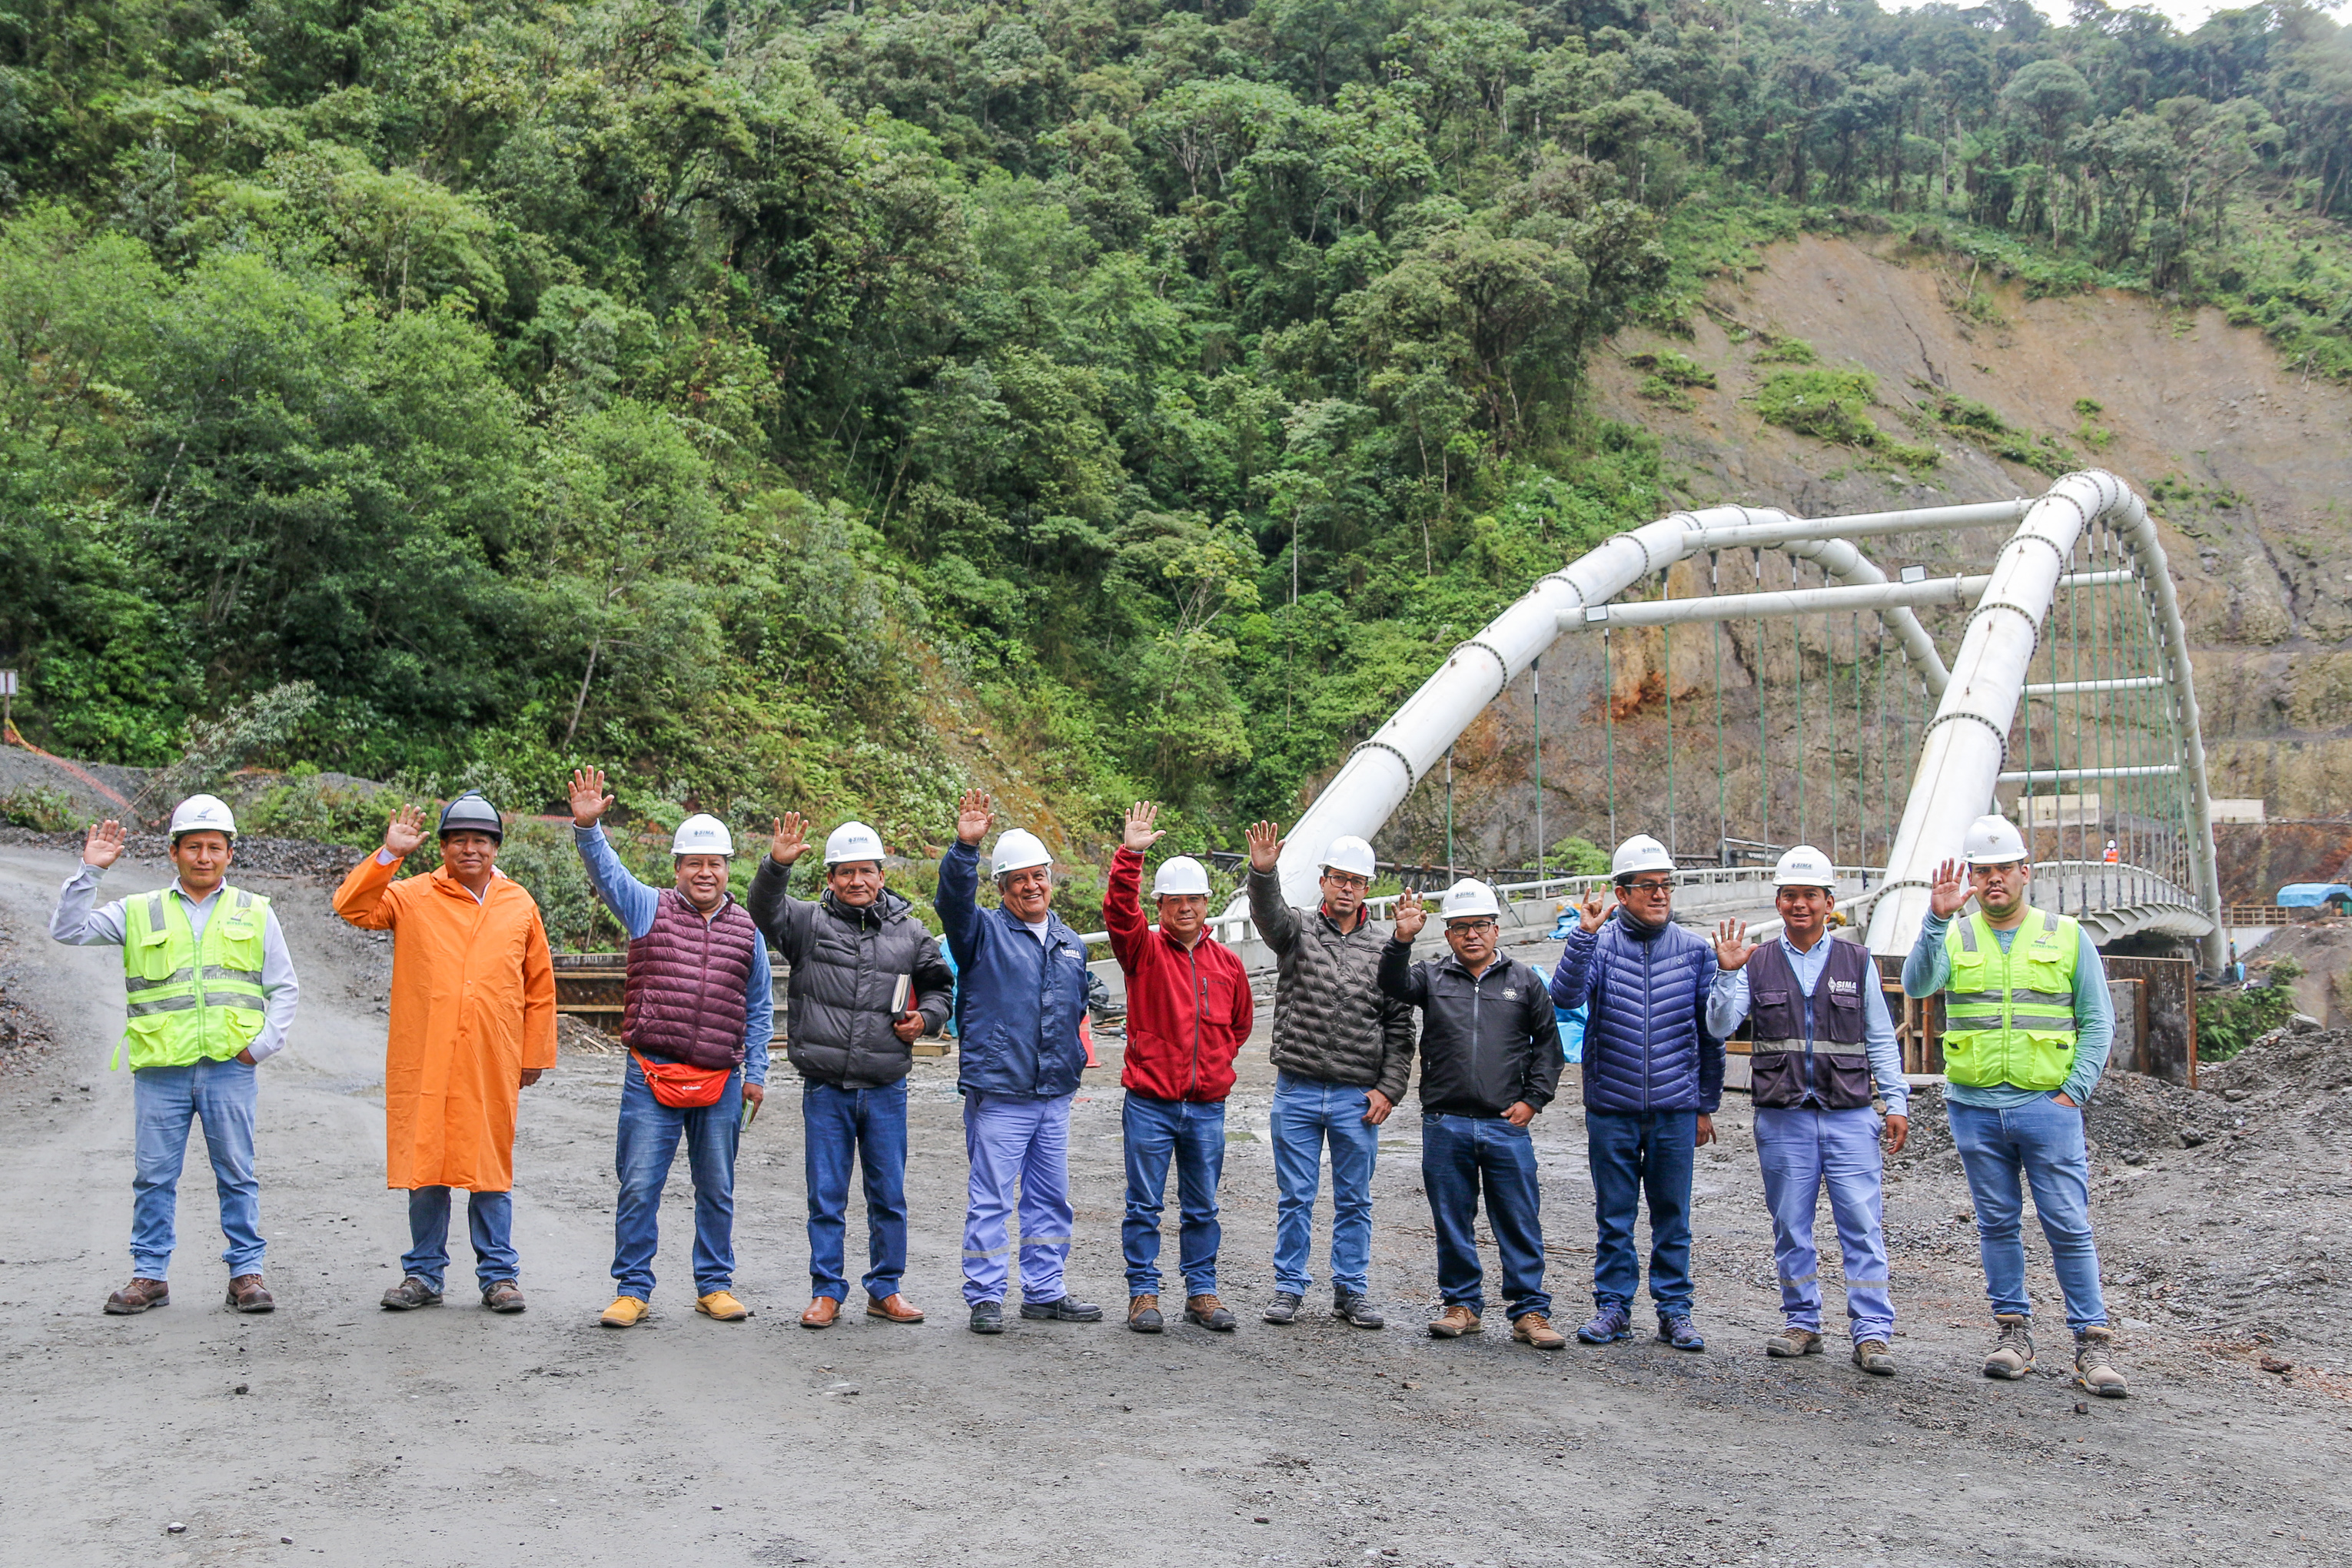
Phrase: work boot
(410, 1294)
(1351, 1307)
(1875, 1358)
(1063, 1309)
(137, 1297)
(1209, 1312)
(503, 1296)
(1535, 1329)
(988, 1317)
(2011, 1355)
(2092, 1370)
(1611, 1323)
(820, 1313)
(246, 1293)
(1792, 1342)
(1143, 1314)
(626, 1312)
(1676, 1329)
(1284, 1308)
(721, 1307)
(893, 1309)
(1454, 1323)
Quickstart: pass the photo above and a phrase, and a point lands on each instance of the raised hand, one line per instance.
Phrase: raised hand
(1410, 916)
(589, 800)
(1950, 894)
(973, 817)
(1592, 910)
(103, 847)
(405, 832)
(1139, 834)
(1264, 846)
(789, 841)
(1732, 948)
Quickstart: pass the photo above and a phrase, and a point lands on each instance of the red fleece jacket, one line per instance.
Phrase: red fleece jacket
(1188, 1011)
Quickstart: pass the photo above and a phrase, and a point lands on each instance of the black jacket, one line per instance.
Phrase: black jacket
(846, 964)
(1485, 1041)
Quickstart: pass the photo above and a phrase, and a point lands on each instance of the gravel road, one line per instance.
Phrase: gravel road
(334, 1430)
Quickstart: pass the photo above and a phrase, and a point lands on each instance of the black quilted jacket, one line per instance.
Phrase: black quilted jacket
(1330, 1022)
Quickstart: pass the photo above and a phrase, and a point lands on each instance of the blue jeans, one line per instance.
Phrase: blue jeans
(489, 1216)
(1458, 1155)
(1009, 1139)
(1308, 1111)
(1157, 1131)
(868, 1126)
(165, 1101)
(2041, 1142)
(1638, 1154)
(642, 1156)
(1799, 1151)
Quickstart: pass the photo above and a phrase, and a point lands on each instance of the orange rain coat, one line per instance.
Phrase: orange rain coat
(473, 1005)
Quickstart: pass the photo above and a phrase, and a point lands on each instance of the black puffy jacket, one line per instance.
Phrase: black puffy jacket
(1485, 1040)
(846, 964)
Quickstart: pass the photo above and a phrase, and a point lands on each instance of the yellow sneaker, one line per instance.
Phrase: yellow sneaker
(723, 1305)
(626, 1311)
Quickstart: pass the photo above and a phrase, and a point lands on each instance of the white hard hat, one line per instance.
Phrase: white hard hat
(203, 814)
(1805, 867)
(1467, 898)
(1991, 841)
(1179, 874)
(852, 841)
(1639, 853)
(702, 834)
(1351, 854)
(1017, 849)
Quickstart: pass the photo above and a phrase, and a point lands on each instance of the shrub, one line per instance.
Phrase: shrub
(40, 808)
(1786, 351)
(1674, 369)
(2230, 1021)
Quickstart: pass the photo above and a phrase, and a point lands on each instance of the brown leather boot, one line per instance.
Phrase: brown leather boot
(1535, 1329)
(1209, 1312)
(246, 1293)
(893, 1308)
(820, 1313)
(1143, 1314)
(1454, 1323)
(137, 1297)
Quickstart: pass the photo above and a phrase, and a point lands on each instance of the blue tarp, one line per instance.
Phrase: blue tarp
(2311, 895)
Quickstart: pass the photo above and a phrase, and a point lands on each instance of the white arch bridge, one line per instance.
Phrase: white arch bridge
(2066, 701)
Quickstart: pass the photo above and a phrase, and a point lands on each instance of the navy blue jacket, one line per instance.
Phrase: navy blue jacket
(1018, 1000)
(1645, 1042)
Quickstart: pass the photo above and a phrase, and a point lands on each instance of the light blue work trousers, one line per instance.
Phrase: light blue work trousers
(1801, 1151)
(1012, 1140)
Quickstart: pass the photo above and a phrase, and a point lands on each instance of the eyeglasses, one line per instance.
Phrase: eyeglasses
(1652, 885)
(1470, 925)
(1347, 880)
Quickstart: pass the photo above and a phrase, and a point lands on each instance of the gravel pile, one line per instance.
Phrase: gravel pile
(2301, 1056)
(328, 863)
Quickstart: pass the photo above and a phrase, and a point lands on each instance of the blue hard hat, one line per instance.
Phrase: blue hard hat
(469, 812)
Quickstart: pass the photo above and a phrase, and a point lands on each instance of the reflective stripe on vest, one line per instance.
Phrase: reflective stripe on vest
(184, 1006)
(2008, 1017)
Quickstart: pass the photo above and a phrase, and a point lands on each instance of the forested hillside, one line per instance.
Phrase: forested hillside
(785, 404)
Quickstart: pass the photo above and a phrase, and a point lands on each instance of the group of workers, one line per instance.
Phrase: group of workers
(211, 991)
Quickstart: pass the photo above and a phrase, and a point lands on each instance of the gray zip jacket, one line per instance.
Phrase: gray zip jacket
(1331, 1022)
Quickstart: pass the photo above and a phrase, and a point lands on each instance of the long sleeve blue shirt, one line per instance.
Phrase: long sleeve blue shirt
(1928, 969)
(634, 904)
(1727, 1003)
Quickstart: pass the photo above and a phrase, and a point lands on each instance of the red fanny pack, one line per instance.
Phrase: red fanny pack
(680, 1085)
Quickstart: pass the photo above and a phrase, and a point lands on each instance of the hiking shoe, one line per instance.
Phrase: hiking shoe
(1143, 1314)
(1611, 1323)
(137, 1297)
(1679, 1331)
(1875, 1358)
(410, 1294)
(2011, 1355)
(1454, 1323)
(626, 1312)
(1792, 1342)
(1535, 1329)
(988, 1317)
(1064, 1309)
(721, 1306)
(1351, 1307)
(246, 1293)
(503, 1296)
(1209, 1312)
(1284, 1308)
(2092, 1370)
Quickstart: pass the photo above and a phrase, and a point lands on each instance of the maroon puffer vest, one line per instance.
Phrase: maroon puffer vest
(684, 998)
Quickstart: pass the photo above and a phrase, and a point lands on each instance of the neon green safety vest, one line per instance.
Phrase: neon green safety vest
(187, 1006)
(2008, 1017)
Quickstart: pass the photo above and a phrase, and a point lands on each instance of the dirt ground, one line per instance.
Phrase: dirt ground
(332, 1429)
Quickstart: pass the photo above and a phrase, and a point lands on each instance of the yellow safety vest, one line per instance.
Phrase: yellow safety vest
(186, 1006)
(2008, 1017)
